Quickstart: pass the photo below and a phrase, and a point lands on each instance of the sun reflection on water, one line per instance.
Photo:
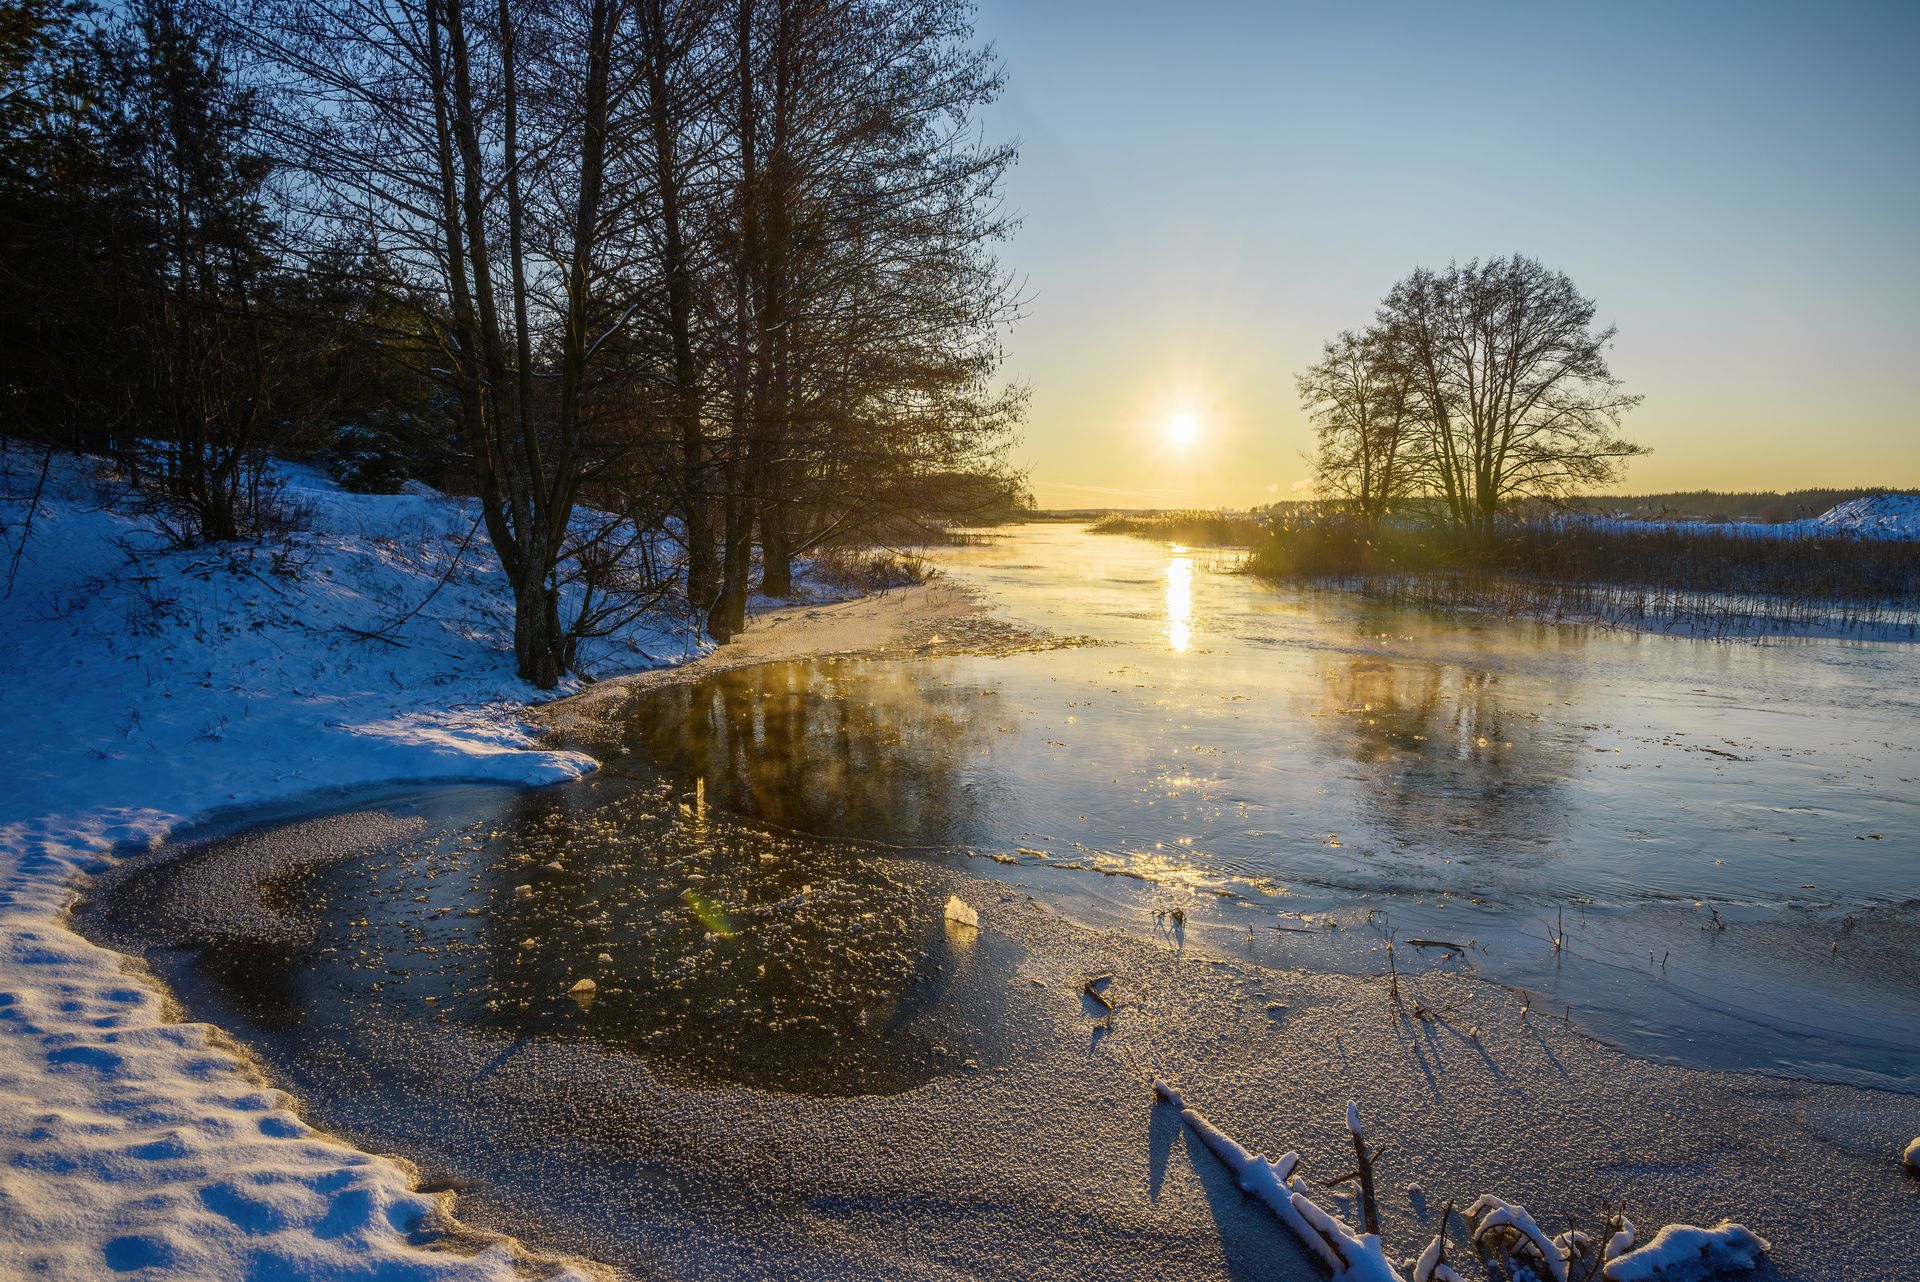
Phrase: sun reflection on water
(1179, 603)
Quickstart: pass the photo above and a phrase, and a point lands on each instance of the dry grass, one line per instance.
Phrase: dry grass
(1695, 581)
(863, 570)
(1198, 527)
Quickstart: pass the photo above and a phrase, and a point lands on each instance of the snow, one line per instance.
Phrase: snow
(1496, 1218)
(146, 688)
(1348, 1255)
(1681, 1251)
(1430, 1267)
(1878, 516)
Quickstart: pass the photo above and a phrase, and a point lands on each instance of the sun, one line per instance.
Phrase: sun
(1183, 429)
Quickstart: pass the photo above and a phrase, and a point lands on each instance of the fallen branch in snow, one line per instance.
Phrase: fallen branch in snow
(1687, 1251)
(26, 525)
(382, 634)
(1508, 1225)
(1677, 1251)
(1349, 1256)
(1616, 1233)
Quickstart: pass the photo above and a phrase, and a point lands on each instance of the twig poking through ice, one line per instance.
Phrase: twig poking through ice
(1096, 988)
(1432, 1265)
(1369, 1208)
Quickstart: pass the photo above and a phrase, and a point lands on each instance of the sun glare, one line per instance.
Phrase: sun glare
(1182, 429)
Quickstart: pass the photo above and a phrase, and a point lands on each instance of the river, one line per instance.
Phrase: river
(1701, 853)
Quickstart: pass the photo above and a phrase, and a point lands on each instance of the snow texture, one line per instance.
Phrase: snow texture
(1348, 1255)
(1684, 1251)
(146, 687)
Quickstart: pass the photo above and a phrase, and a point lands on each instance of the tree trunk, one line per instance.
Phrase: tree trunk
(703, 561)
(729, 613)
(776, 551)
(536, 634)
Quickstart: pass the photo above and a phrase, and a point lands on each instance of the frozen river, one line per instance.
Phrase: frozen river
(781, 1048)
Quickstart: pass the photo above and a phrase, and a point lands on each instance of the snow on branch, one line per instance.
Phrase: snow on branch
(1677, 1252)
(1687, 1251)
(1508, 1222)
(1349, 1256)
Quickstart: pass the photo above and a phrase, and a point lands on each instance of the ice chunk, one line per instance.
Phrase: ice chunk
(959, 910)
(1913, 1157)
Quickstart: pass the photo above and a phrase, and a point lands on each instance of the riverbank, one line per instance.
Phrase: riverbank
(928, 620)
(148, 689)
(1853, 573)
(148, 1142)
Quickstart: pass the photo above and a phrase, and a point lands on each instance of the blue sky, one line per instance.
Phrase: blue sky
(1209, 189)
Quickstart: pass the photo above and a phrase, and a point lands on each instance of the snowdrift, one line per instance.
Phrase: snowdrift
(1880, 516)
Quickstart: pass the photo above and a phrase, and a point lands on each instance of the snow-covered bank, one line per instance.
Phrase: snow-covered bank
(142, 688)
(1877, 516)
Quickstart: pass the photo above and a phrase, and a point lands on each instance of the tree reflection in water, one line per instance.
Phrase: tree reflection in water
(877, 752)
(1447, 759)
(724, 937)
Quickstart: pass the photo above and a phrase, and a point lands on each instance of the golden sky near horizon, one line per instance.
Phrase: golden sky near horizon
(1204, 202)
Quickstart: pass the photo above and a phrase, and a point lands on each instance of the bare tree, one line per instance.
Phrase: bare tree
(469, 148)
(882, 211)
(680, 69)
(727, 254)
(1359, 398)
(1511, 382)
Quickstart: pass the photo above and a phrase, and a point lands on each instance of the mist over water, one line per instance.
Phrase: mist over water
(1721, 835)
(1699, 822)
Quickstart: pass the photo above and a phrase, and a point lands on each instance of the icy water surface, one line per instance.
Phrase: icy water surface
(1724, 836)
(700, 1014)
